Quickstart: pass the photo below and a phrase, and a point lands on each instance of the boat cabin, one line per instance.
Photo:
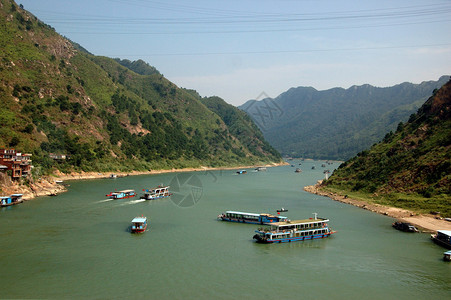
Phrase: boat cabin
(139, 224)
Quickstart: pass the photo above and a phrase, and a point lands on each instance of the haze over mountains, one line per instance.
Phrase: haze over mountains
(108, 114)
(336, 123)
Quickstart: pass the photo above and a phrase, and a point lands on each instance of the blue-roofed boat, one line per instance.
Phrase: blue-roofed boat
(11, 200)
(294, 231)
(157, 193)
(442, 238)
(139, 224)
(122, 194)
(251, 218)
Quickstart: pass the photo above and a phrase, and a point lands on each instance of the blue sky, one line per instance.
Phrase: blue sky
(239, 50)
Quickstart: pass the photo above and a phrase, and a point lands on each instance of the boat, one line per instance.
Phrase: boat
(139, 224)
(259, 169)
(293, 231)
(298, 170)
(404, 226)
(11, 200)
(251, 218)
(442, 238)
(241, 172)
(282, 210)
(122, 194)
(447, 256)
(157, 193)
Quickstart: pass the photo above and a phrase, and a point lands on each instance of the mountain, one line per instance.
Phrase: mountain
(336, 123)
(105, 114)
(410, 168)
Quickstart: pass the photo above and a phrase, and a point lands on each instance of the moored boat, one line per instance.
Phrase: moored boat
(11, 200)
(157, 193)
(442, 238)
(122, 194)
(241, 172)
(404, 226)
(251, 218)
(282, 210)
(139, 224)
(293, 231)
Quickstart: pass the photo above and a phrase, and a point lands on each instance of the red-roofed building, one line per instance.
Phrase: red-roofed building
(18, 163)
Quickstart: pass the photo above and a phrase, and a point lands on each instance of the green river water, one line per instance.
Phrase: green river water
(78, 245)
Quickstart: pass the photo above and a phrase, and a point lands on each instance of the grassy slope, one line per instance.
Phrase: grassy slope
(58, 98)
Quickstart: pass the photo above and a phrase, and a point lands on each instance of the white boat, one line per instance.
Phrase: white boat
(293, 231)
(157, 193)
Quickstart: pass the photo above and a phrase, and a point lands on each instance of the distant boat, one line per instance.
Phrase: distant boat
(139, 224)
(282, 210)
(260, 169)
(122, 194)
(298, 170)
(113, 176)
(442, 238)
(447, 256)
(157, 193)
(241, 172)
(406, 227)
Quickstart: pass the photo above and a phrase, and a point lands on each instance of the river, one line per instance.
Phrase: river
(78, 244)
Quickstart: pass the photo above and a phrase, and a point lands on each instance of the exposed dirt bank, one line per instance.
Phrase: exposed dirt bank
(424, 222)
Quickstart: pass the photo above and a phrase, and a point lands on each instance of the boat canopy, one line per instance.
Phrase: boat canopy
(242, 213)
(445, 232)
(126, 191)
(139, 220)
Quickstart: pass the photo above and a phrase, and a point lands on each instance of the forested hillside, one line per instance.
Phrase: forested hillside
(105, 114)
(410, 168)
(336, 123)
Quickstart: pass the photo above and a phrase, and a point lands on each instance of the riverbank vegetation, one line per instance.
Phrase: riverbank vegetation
(410, 168)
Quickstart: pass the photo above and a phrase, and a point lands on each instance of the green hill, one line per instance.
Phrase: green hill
(336, 123)
(410, 168)
(106, 114)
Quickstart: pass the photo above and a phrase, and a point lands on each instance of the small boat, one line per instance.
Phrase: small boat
(442, 238)
(250, 218)
(404, 226)
(122, 194)
(259, 169)
(282, 210)
(11, 200)
(298, 170)
(112, 176)
(293, 231)
(157, 193)
(447, 256)
(139, 224)
(241, 172)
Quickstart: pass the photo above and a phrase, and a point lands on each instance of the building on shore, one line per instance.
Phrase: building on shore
(18, 163)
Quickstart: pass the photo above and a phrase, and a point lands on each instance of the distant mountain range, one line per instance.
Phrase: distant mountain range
(108, 114)
(411, 167)
(336, 123)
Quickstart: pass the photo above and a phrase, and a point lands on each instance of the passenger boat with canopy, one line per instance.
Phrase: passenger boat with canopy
(293, 231)
(122, 194)
(139, 224)
(157, 193)
(251, 218)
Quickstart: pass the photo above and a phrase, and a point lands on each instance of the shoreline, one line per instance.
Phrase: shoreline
(425, 222)
(48, 186)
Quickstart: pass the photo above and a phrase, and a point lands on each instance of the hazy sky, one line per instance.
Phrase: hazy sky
(240, 50)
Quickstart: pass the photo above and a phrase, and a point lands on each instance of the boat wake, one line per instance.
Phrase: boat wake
(132, 202)
(106, 200)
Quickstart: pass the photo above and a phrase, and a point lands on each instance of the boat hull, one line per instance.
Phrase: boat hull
(259, 239)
